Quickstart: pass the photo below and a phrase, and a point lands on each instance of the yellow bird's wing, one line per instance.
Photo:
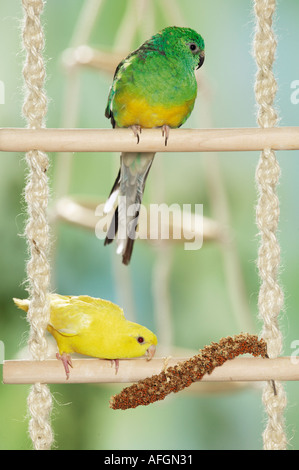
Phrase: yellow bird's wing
(69, 315)
(101, 304)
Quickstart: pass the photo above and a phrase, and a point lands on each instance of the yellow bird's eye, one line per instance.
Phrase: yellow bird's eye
(140, 339)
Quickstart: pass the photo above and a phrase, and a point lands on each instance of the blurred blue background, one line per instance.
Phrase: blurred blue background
(205, 300)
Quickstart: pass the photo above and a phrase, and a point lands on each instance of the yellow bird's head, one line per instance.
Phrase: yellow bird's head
(135, 340)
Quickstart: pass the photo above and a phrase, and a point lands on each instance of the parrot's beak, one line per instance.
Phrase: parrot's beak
(150, 352)
(201, 59)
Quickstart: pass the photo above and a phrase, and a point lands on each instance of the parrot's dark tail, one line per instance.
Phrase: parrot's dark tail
(127, 191)
(111, 234)
(112, 231)
(128, 251)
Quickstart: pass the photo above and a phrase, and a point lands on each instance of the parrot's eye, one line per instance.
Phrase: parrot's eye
(140, 339)
(193, 47)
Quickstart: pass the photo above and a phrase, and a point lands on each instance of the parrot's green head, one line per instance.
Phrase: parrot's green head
(183, 43)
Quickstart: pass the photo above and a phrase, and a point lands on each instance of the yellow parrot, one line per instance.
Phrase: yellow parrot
(94, 327)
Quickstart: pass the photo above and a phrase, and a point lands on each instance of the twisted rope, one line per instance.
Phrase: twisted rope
(270, 301)
(37, 230)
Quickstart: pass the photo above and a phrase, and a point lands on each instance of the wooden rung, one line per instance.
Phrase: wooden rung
(90, 370)
(86, 56)
(151, 140)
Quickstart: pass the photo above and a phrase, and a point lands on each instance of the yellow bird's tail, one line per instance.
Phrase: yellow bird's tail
(23, 304)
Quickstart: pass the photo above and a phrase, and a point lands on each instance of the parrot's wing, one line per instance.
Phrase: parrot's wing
(99, 304)
(65, 331)
(118, 72)
(70, 316)
(108, 110)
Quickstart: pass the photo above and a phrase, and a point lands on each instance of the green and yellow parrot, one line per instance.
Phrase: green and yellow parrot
(155, 86)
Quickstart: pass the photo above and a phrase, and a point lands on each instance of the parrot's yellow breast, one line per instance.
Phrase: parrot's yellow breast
(137, 111)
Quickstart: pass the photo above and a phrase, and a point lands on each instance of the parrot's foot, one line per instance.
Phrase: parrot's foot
(66, 361)
(137, 131)
(115, 362)
(165, 133)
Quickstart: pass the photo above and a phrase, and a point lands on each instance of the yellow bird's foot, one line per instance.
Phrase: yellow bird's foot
(66, 361)
(165, 133)
(137, 131)
(115, 362)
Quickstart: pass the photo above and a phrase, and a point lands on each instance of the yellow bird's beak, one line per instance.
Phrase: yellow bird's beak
(150, 352)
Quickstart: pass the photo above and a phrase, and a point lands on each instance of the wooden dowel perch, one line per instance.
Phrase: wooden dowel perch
(180, 140)
(154, 380)
(241, 369)
(85, 55)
